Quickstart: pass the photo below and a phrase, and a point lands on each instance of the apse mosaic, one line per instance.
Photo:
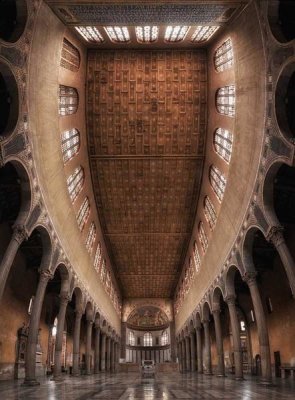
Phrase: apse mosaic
(147, 317)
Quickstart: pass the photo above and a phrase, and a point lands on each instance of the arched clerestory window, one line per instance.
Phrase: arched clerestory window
(210, 213)
(70, 56)
(164, 338)
(217, 181)
(131, 338)
(70, 144)
(223, 143)
(147, 339)
(197, 259)
(75, 183)
(226, 100)
(97, 257)
(203, 237)
(90, 237)
(224, 56)
(83, 213)
(68, 100)
(103, 270)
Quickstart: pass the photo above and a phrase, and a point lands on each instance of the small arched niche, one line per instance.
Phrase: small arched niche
(9, 101)
(13, 18)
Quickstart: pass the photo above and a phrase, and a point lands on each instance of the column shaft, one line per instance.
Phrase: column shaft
(219, 343)
(64, 299)
(103, 352)
(108, 343)
(97, 350)
(199, 350)
(208, 363)
(18, 236)
(30, 365)
(261, 328)
(235, 327)
(188, 353)
(76, 343)
(88, 346)
(193, 352)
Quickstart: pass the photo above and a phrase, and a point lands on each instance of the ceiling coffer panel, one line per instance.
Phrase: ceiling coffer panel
(146, 120)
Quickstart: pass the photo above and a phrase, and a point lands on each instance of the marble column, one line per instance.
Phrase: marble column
(123, 340)
(112, 355)
(277, 238)
(179, 355)
(193, 352)
(103, 352)
(235, 328)
(18, 236)
(76, 342)
(172, 341)
(208, 363)
(97, 349)
(187, 353)
(219, 342)
(261, 327)
(183, 362)
(64, 299)
(89, 323)
(199, 349)
(30, 365)
(108, 345)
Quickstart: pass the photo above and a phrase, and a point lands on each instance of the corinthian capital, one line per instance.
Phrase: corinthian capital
(20, 233)
(275, 235)
(45, 274)
(250, 278)
(230, 300)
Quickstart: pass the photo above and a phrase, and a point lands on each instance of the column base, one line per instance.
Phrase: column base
(221, 375)
(239, 378)
(30, 382)
(208, 373)
(57, 378)
(266, 382)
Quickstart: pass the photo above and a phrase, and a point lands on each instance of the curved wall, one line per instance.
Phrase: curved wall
(45, 75)
(248, 131)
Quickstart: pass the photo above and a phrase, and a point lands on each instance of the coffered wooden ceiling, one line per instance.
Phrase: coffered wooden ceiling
(146, 114)
(146, 126)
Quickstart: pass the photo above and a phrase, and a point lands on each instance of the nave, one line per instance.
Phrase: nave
(131, 386)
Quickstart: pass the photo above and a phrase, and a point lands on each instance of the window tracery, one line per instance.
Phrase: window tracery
(90, 34)
(203, 237)
(225, 100)
(147, 34)
(75, 183)
(131, 338)
(176, 33)
(224, 56)
(210, 213)
(217, 181)
(164, 338)
(83, 213)
(68, 100)
(203, 33)
(90, 237)
(70, 56)
(197, 258)
(223, 141)
(118, 34)
(147, 339)
(70, 144)
(97, 258)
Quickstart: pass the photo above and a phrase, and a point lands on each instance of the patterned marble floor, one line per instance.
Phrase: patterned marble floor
(163, 387)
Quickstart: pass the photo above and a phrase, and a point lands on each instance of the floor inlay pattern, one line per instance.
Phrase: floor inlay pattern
(164, 387)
